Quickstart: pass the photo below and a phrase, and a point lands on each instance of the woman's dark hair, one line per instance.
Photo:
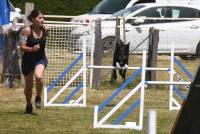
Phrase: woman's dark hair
(34, 14)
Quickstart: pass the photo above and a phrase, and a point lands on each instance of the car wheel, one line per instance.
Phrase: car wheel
(108, 45)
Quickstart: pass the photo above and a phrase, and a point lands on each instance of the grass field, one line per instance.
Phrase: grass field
(65, 120)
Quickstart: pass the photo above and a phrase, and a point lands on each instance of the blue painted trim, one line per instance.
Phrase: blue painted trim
(179, 93)
(68, 98)
(183, 68)
(62, 75)
(130, 109)
(107, 101)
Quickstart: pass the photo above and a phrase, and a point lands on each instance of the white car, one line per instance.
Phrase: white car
(106, 8)
(184, 33)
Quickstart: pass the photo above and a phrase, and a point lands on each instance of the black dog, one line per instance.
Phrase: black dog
(120, 61)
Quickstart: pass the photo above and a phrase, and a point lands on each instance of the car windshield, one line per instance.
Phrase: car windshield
(127, 11)
(110, 6)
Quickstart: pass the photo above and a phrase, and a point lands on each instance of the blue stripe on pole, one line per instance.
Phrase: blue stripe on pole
(62, 75)
(4, 12)
(179, 93)
(183, 68)
(107, 101)
(68, 98)
(130, 109)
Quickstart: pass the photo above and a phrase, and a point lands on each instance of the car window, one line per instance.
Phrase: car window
(154, 12)
(110, 6)
(184, 12)
(175, 13)
(127, 11)
(181, 12)
(151, 12)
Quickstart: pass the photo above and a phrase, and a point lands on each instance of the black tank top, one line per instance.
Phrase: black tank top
(31, 41)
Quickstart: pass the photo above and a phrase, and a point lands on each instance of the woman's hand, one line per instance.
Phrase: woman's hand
(36, 47)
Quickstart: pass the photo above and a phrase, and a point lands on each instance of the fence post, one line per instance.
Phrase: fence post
(97, 54)
(124, 33)
(29, 6)
(152, 53)
(11, 68)
(117, 31)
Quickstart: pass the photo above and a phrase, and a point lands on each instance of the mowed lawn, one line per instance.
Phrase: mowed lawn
(66, 120)
(72, 120)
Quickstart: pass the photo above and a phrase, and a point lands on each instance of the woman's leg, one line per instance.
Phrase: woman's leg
(28, 87)
(39, 70)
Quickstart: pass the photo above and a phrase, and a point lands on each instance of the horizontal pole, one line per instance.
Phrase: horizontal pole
(59, 16)
(152, 18)
(61, 24)
(119, 126)
(158, 69)
(67, 105)
(111, 67)
(69, 23)
(175, 108)
(146, 18)
(129, 68)
(167, 82)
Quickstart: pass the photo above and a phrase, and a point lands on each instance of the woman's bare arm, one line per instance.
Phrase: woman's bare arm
(24, 37)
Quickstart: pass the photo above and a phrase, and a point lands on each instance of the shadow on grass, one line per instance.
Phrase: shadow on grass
(21, 113)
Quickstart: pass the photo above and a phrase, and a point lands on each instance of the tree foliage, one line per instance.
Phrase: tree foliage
(59, 7)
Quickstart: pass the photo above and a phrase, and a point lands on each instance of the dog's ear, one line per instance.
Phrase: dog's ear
(128, 44)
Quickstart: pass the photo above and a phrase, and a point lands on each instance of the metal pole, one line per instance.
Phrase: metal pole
(152, 122)
(171, 77)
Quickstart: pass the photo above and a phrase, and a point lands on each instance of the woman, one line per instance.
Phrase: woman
(33, 60)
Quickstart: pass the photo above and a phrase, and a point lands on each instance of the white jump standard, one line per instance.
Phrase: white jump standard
(68, 101)
(101, 123)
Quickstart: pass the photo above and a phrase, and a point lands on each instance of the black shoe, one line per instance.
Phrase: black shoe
(38, 102)
(29, 109)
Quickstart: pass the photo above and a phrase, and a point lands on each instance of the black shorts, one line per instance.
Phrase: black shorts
(28, 67)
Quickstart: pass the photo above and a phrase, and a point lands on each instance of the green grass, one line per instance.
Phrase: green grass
(65, 120)
(73, 120)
